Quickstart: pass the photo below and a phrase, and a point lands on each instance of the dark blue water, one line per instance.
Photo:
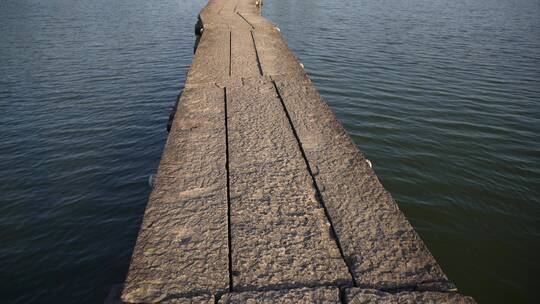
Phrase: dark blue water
(442, 96)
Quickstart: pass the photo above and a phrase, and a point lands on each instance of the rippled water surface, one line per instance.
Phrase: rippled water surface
(442, 96)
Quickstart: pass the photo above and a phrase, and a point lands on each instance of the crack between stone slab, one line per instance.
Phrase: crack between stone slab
(318, 192)
(230, 54)
(412, 287)
(219, 294)
(285, 286)
(257, 54)
(342, 296)
(186, 295)
(238, 13)
(229, 234)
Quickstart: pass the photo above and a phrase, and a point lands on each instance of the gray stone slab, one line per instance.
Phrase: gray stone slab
(248, 7)
(211, 60)
(244, 61)
(275, 56)
(229, 6)
(380, 245)
(210, 10)
(224, 14)
(182, 247)
(321, 295)
(280, 234)
(365, 296)
(211, 17)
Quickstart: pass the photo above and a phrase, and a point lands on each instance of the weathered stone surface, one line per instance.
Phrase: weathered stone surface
(248, 7)
(243, 56)
(231, 15)
(365, 296)
(211, 60)
(204, 299)
(280, 234)
(114, 298)
(211, 17)
(321, 295)
(275, 56)
(380, 245)
(182, 247)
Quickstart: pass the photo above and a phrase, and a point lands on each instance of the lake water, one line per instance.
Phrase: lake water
(442, 96)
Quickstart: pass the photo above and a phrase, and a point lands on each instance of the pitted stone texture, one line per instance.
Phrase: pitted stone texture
(205, 299)
(114, 298)
(380, 245)
(280, 234)
(228, 14)
(182, 247)
(255, 20)
(211, 17)
(243, 56)
(321, 295)
(211, 60)
(275, 56)
(211, 9)
(248, 7)
(366, 296)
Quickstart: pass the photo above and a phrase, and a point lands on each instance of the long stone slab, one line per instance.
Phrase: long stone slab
(211, 62)
(182, 247)
(280, 235)
(321, 295)
(380, 246)
(210, 16)
(244, 62)
(275, 56)
(366, 296)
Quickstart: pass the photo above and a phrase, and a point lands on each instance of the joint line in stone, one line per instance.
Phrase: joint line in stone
(229, 235)
(257, 54)
(317, 190)
(230, 57)
(253, 27)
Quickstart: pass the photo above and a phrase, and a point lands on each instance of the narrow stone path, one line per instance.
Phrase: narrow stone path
(262, 197)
